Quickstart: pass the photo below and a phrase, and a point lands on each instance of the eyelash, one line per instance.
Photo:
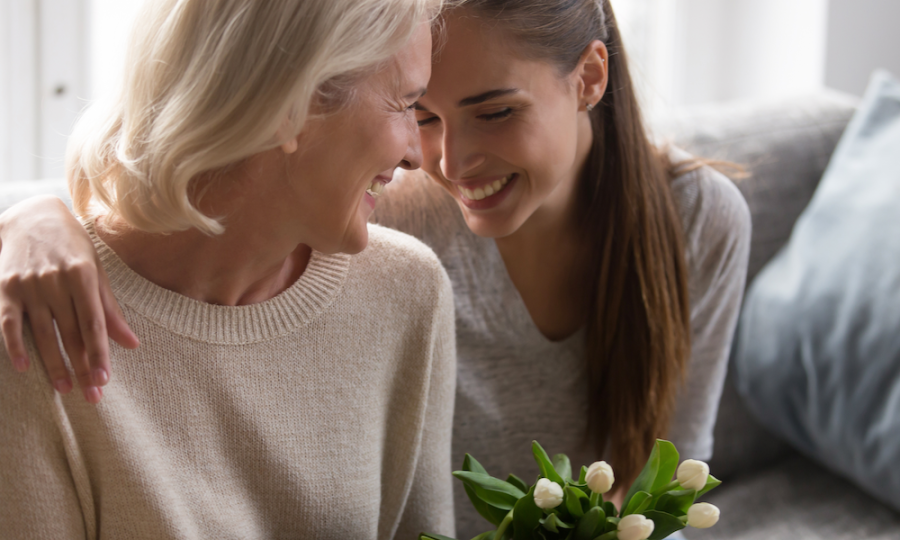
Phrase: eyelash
(492, 117)
(499, 115)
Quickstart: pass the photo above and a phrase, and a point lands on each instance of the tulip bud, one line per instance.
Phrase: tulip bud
(635, 527)
(547, 494)
(702, 515)
(600, 477)
(692, 474)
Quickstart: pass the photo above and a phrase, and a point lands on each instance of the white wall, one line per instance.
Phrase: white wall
(111, 22)
(43, 83)
(862, 35)
(687, 52)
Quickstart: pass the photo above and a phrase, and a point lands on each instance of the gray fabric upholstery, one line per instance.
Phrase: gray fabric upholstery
(785, 146)
(797, 500)
(771, 492)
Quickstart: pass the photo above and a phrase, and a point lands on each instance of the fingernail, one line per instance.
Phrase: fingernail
(21, 364)
(63, 386)
(92, 394)
(100, 377)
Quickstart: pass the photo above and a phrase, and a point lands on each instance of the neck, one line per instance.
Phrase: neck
(238, 267)
(258, 256)
(545, 257)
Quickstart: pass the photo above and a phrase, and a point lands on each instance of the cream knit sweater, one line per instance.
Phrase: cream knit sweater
(324, 412)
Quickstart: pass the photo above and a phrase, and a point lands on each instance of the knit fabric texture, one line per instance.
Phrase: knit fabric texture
(515, 385)
(324, 412)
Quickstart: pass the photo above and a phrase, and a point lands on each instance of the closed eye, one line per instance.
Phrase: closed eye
(499, 115)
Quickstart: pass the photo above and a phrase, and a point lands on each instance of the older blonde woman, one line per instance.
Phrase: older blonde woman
(289, 384)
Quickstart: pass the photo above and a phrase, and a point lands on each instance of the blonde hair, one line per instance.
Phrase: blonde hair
(211, 82)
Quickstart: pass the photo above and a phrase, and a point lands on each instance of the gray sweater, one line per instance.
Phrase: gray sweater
(514, 385)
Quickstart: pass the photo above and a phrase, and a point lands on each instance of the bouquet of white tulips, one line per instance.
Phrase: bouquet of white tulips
(558, 507)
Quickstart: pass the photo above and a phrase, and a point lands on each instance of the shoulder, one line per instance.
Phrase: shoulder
(713, 211)
(401, 263)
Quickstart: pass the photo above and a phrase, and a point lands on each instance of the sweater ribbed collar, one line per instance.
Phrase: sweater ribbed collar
(295, 307)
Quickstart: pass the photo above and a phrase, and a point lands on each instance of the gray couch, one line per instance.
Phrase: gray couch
(770, 491)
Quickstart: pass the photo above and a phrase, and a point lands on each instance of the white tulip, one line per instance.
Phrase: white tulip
(702, 515)
(692, 474)
(547, 494)
(600, 477)
(635, 527)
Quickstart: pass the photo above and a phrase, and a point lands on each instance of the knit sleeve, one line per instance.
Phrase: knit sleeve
(717, 242)
(38, 494)
(429, 507)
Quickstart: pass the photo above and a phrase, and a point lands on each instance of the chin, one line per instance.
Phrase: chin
(487, 228)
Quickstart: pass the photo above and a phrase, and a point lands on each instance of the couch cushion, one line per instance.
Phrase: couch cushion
(817, 354)
(13, 192)
(785, 145)
(797, 500)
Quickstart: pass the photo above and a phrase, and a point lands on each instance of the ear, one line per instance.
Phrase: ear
(284, 133)
(592, 74)
(290, 146)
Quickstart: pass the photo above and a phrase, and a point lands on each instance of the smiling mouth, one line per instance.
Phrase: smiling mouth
(375, 188)
(486, 190)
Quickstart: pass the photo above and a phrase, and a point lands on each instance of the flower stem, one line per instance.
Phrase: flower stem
(596, 499)
(501, 530)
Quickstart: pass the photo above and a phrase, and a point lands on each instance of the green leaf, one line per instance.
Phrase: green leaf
(582, 478)
(563, 466)
(504, 525)
(638, 503)
(518, 482)
(611, 535)
(526, 516)
(676, 502)
(711, 483)
(668, 464)
(425, 536)
(486, 536)
(491, 490)
(553, 523)
(573, 500)
(663, 524)
(651, 471)
(543, 461)
(492, 514)
(610, 509)
(471, 464)
(590, 524)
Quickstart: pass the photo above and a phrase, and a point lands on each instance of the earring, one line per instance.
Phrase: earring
(589, 107)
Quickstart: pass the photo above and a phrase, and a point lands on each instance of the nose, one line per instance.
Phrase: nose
(459, 154)
(413, 157)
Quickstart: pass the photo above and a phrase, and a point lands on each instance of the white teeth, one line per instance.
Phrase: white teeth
(485, 191)
(375, 189)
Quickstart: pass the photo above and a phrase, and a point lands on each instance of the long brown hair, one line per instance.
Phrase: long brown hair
(638, 338)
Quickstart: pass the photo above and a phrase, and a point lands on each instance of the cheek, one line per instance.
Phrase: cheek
(431, 149)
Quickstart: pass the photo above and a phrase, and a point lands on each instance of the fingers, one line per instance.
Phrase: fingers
(11, 327)
(116, 326)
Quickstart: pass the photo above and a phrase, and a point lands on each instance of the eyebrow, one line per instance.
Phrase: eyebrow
(490, 94)
(415, 94)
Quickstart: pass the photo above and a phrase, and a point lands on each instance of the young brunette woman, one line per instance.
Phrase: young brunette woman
(597, 278)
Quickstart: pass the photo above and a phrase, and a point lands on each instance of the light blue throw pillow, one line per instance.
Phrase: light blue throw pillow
(817, 352)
